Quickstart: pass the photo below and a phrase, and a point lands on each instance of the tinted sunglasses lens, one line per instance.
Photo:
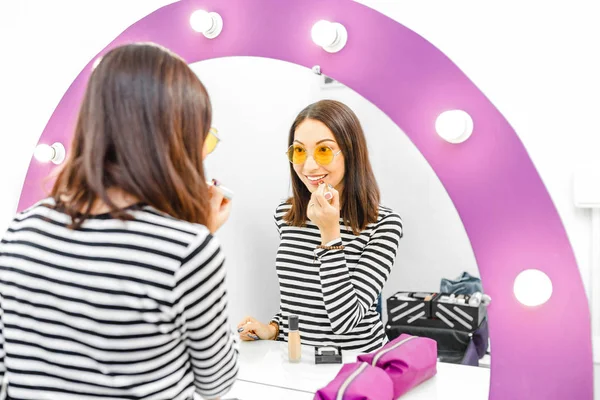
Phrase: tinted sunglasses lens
(211, 141)
(296, 154)
(323, 155)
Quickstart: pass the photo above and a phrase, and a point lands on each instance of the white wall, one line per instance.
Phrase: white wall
(45, 44)
(536, 60)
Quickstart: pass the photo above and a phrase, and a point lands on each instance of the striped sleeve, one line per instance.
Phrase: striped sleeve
(277, 317)
(201, 305)
(348, 296)
(2, 352)
(277, 223)
(278, 320)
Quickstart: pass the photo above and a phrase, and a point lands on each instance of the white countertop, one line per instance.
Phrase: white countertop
(265, 373)
(242, 390)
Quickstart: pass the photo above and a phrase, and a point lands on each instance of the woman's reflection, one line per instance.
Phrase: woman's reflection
(338, 244)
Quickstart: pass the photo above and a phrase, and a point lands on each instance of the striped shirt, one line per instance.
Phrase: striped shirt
(335, 292)
(113, 310)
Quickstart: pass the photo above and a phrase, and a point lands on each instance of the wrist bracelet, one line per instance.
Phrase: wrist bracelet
(276, 325)
(330, 247)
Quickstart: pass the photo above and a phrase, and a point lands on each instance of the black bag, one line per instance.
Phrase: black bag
(454, 346)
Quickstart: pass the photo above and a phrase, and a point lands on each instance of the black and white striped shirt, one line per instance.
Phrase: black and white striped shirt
(113, 310)
(334, 292)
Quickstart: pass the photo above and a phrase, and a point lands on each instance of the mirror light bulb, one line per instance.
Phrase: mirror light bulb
(43, 153)
(210, 24)
(96, 63)
(532, 287)
(200, 21)
(454, 126)
(331, 36)
(323, 33)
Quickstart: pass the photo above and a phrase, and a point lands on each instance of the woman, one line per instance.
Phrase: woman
(338, 244)
(114, 286)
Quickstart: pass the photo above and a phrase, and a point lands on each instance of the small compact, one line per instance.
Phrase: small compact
(328, 355)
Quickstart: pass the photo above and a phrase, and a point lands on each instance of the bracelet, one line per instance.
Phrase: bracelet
(276, 325)
(330, 247)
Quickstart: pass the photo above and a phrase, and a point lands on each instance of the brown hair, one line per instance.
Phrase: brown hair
(360, 197)
(141, 128)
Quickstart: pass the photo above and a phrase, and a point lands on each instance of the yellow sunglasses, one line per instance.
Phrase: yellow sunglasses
(211, 141)
(323, 155)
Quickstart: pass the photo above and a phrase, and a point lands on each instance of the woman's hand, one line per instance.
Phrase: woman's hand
(324, 211)
(220, 208)
(251, 329)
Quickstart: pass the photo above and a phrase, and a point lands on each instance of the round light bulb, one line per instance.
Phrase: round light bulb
(96, 63)
(43, 153)
(454, 126)
(201, 21)
(323, 33)
(59, 153)
(331, 36)
(532, 287)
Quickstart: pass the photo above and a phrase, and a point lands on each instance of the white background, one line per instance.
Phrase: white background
(537, 61)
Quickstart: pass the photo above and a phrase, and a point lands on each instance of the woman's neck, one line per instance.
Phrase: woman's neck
(118, 197)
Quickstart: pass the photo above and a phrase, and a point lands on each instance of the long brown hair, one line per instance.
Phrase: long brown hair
(360, 197)
(141, 128)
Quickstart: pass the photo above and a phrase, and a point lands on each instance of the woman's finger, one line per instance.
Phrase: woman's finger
(335, 200)
(244, 322)
(248, 334)
(249, 327)
(313, 200)
(216, 197)
(241, 325)
(321, 189)
(249, 331)
(320, 199)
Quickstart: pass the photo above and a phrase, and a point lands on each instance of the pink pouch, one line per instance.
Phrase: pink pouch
(358, 381)
(408, 361)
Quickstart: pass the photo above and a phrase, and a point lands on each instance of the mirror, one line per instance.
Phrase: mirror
(255, 101)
